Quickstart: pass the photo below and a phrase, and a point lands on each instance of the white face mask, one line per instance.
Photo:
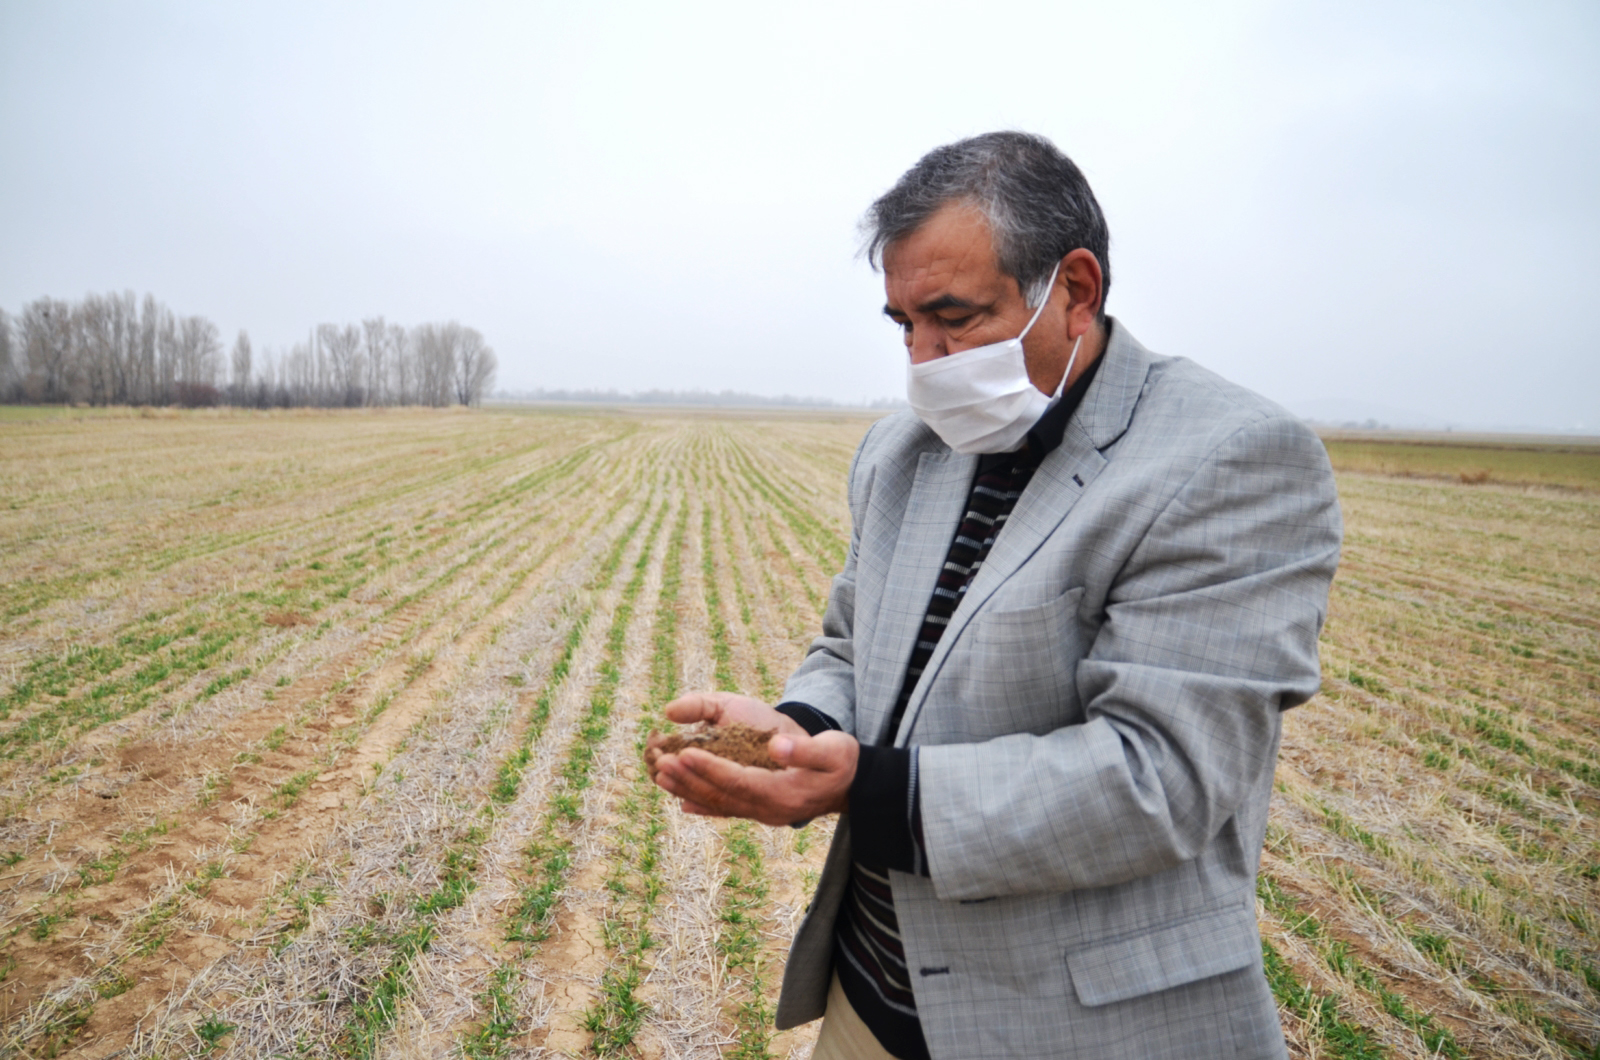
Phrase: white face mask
(981, 400)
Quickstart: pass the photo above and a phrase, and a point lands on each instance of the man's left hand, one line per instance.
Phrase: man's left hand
(815, 781)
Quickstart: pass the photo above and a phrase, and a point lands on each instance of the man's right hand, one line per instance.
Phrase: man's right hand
(726, 708)
(815, 780)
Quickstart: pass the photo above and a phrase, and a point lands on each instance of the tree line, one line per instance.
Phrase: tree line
(718, 398)
(112, 349)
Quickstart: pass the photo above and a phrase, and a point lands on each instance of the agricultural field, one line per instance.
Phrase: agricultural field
(1503, 459)
(320, 736)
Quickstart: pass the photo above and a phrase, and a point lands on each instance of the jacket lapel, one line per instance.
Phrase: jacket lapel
(933, 511)
(1060, 480)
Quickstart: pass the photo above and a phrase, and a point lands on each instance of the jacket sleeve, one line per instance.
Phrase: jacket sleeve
(826, 678)
(1209, 632)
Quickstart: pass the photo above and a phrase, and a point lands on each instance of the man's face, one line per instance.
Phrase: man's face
(946, 291)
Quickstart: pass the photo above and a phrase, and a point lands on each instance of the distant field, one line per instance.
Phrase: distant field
(33, 413)
(319, 736)
(1513, 461)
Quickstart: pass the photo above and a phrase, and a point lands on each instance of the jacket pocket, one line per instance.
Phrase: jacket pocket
(1171, 956)
(1021, 672)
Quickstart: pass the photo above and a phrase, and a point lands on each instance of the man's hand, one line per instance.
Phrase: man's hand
(725, 708)
(816, 778)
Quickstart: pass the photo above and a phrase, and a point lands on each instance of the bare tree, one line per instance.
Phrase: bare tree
(405, 371)
(199, 351)
(475, 364)
(146, 380)
(122, 340)
(424, 342)
(435, 347)
(10, 378)
(342, 345)
(46, 334)
(239, 393)
(376, 352)
(105, 347)
(263, 377)
(298, 375)
(167, 356)
(94, 349)
(321, 377)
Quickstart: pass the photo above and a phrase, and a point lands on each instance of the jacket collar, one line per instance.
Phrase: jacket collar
(1107, 409)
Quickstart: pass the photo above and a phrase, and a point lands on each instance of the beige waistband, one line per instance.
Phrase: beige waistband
(844, 1036)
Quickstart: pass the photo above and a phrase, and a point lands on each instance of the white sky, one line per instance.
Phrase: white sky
(1385, 205)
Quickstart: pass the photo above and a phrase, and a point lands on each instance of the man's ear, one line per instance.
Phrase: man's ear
(1084, 283)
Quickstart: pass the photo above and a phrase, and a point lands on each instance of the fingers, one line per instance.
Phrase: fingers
(827, 752)
(712, 786)
(696, 706)
(704, 778)
(652, 752)
(726, 708)
(817, 780)
(709, 785)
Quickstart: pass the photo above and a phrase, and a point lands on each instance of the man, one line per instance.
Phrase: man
(1084, 581)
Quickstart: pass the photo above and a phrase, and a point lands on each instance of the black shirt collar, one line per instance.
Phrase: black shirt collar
(1046, 435)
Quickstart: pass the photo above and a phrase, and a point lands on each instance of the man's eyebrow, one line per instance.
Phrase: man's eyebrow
(944, 301)
(947, 301)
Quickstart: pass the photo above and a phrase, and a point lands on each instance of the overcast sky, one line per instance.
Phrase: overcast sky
(1346, 206)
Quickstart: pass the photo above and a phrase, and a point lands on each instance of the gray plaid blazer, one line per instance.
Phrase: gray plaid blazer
(1099, 724)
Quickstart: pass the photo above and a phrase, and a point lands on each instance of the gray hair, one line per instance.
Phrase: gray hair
(1035, 199)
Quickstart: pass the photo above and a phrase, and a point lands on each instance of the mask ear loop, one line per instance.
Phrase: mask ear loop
(1040, 311)
(1061, 386)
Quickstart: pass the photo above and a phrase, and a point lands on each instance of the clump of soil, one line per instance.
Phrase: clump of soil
(741, 743)
(286, 619)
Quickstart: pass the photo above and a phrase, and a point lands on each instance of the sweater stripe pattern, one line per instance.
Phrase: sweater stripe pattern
(870, 956)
